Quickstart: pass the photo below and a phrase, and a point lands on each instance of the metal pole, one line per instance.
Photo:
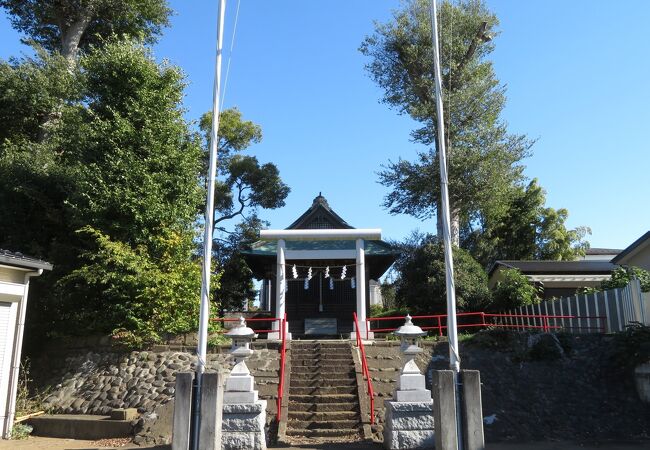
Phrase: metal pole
(204, 315)
(452, 325)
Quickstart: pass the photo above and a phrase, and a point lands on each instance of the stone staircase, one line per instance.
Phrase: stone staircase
(323, 397)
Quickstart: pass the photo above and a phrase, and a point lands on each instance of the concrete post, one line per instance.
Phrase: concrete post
(444, 410)
(280, 294)
(211, 411)
(182, 411)
(361, 286)
(472, 410)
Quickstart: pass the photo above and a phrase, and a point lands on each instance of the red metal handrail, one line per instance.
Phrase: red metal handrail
(364, 369)
(283, 358)
(482, 322)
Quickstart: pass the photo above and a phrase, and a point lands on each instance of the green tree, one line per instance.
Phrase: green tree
(421, 284)
(65, 26)
(512, 291)
(243, 187)
(483, 158)
(526, 229)
(110, 197)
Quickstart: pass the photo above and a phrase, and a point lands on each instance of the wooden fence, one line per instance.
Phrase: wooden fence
(610, 310)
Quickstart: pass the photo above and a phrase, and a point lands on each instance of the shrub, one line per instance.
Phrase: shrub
(513, 291)
(421, 286)
(621, 277)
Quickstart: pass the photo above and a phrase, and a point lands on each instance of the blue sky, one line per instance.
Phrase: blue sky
(577, 78)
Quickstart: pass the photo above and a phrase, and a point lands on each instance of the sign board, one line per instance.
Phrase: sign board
(321, 326)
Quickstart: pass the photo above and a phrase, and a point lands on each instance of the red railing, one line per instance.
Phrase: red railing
(485, 320)
(364, 369)
(283, 358)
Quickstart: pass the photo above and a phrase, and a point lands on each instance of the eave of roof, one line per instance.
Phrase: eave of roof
(555, 267)
(16, 259)
(634, 246)
(373, 248)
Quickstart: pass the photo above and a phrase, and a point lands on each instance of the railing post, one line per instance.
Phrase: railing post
(545, 318)
(483, 319)
(439, 326)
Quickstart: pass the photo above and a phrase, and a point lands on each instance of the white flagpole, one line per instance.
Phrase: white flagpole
(452, 325)
(204, 316)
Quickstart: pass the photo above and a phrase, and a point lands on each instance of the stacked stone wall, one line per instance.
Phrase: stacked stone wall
(531, 394)
(95, 382)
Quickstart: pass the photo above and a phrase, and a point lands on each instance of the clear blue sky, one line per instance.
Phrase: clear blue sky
(577, 77)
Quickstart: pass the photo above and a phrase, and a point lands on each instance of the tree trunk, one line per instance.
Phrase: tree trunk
(71, 36)
(70, 39)
(454, 224)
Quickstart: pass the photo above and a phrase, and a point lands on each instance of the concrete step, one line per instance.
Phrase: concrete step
(324, 382)
(322, 350)
(322, 425)
(341, 362)
(323, 407)
(323, 390)
(352, 433)
(318, 375)
(89, 427)
(325, 369)
(323, 416)
(324, 398)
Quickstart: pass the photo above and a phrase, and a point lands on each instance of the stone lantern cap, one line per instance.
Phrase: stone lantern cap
(408, 330)
(241, 331)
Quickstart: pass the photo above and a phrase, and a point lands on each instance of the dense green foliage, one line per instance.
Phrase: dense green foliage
(68, 25)
(526, 230)
(101, 174)
(110, 198)
(421, 283)
(512, 291)
(622, 276)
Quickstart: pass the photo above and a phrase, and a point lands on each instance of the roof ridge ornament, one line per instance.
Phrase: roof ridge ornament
(320, 200)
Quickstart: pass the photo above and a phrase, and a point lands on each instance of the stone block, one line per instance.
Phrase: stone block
(237, 441)
(240, 397)
(124, 414)
(240, 384)
(409, 416)
(410, 382)
(413, 439)
(418, 396)
(408, 425)
(245, 408)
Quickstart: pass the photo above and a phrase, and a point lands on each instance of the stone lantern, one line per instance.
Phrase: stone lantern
(410, 384)
(244, 415)
(240, 384)
(242, 337)
(409, 415)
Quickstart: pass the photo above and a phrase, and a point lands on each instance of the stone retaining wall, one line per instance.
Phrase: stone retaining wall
(532, 394)
(87, 382)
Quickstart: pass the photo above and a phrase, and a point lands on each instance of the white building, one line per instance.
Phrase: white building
(15, 273)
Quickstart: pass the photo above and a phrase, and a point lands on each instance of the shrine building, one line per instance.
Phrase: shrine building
(323, 267)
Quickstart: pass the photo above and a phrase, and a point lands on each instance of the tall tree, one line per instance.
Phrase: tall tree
(69, 25)
(244, 186)
(483, 158)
